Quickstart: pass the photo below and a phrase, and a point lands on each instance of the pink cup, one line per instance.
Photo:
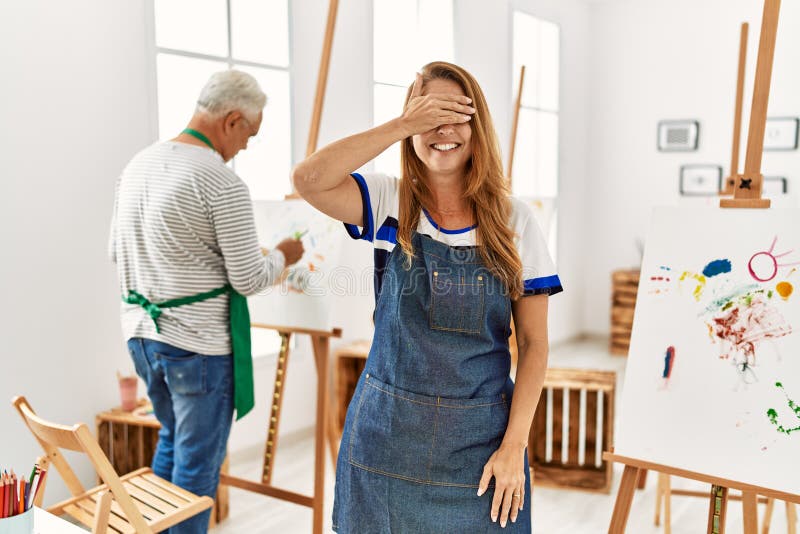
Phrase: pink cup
(127, 392)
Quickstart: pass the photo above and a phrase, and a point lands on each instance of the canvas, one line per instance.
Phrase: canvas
(713, 375)
(303, 300)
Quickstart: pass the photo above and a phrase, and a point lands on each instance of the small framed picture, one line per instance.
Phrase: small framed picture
(781, 133)
(678, 136)
(700, 180)
(774, 186)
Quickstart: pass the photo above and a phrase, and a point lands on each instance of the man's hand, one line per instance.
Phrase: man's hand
(292, 250)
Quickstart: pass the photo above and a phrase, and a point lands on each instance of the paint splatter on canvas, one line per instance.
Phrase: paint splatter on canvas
(739, 315)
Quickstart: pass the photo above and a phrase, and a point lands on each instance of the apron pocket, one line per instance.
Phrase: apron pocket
(457, 303)
(430, 440)
(468, 435)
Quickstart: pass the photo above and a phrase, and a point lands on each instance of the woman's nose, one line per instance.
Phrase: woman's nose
(445, 129)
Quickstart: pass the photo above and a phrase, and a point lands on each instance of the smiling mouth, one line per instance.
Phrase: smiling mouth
(445, 147)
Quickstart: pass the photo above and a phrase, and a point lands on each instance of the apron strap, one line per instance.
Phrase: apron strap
(243, 390)
(154, 310)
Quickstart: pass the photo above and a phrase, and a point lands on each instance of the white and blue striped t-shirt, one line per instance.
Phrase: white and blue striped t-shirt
(380, 198)
(183, 224)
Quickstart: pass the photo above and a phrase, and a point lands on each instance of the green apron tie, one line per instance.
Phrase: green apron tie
(239, 314)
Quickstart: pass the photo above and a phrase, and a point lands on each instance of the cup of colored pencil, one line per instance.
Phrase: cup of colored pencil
(17, 493)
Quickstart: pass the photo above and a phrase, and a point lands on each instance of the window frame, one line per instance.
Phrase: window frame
(374, 83)
(552, 238)
(153, 51)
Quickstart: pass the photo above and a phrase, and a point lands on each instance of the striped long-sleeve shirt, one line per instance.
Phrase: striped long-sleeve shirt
(183, 224)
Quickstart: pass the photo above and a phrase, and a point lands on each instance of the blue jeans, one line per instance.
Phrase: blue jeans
(192, 396)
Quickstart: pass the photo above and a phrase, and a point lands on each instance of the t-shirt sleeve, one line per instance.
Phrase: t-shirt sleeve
(538, 269)
(379, 200)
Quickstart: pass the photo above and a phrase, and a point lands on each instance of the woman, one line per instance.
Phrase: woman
(431, 426)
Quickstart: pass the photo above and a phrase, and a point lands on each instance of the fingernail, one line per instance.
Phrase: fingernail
(513, 519)
(481, 491)
(494, 519)
(503, 523)
(469, 100)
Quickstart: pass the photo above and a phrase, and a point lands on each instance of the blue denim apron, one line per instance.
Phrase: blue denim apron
(432, 404)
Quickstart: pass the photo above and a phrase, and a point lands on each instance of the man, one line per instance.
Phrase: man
(184, 239)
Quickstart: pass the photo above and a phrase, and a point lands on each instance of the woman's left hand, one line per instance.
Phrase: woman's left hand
(507, 466)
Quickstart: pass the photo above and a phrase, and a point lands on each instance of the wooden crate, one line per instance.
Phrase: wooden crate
(624, 287)
(129, 441)
(588, 426)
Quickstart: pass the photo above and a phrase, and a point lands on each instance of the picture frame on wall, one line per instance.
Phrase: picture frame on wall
(782, 133)
(678, 135)
(700, 180)
(774, 186)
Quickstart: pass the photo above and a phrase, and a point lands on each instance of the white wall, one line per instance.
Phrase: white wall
(73, 109)
(656, 60)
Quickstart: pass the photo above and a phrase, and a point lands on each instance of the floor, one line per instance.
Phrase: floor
(554, 511)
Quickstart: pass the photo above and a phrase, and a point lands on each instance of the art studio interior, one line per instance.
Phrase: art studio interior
(415, 266)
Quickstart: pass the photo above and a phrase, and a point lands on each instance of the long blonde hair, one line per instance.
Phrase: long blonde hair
(485, 187)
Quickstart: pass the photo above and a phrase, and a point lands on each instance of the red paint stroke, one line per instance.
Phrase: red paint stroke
(745, 325)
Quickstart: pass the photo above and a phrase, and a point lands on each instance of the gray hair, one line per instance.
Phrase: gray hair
(231, 90)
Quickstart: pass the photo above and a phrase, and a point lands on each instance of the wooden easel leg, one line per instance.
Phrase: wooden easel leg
(659, 498)
(791, 518)
(641, 481)
(750, 511)
(321, 357)
(271, 446)
(768, 515)
(667, 504)
(718, 505)
(622, 507)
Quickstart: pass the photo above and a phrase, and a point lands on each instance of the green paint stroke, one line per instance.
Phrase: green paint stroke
(773, 414)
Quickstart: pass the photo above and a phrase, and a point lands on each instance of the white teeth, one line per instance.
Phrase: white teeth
(445, 147)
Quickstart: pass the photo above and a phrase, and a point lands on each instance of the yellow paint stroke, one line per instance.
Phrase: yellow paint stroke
(701, 283)
(784, 289)
(710, 332)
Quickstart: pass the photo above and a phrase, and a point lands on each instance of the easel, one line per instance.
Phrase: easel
(320, 343)
(747, 195)
(512, 341)
(730, 181)
(322, 83)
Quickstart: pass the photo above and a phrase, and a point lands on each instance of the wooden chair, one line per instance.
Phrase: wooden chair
(137, 503)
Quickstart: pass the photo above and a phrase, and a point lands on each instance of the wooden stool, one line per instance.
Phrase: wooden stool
(129, 440)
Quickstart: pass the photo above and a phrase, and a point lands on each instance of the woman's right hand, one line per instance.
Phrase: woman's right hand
(426, 112)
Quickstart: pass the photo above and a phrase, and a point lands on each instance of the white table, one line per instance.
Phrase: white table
(38, 521)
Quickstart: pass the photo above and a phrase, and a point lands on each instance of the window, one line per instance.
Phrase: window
(407, 34)
(535, 171)
(196, 39)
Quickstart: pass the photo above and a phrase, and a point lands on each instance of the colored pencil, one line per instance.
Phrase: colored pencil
(41, 482)
(2, 495)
